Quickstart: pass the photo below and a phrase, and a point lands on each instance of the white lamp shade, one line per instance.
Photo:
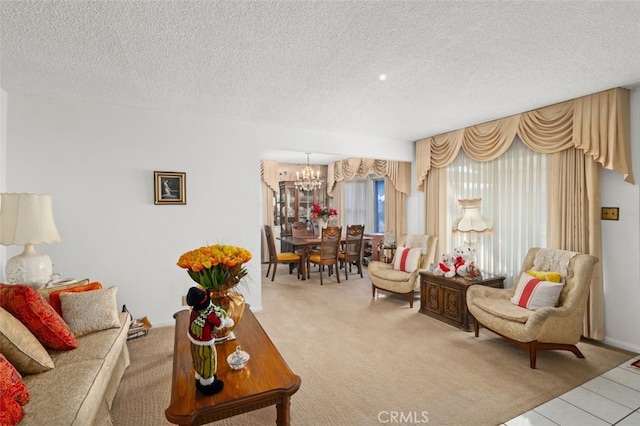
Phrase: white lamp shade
(27, 219)
(471, 219)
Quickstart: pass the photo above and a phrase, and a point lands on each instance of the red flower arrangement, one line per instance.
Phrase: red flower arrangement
(324, 213)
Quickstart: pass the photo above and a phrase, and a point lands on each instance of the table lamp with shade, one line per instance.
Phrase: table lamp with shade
(27, 219)
(472, 223)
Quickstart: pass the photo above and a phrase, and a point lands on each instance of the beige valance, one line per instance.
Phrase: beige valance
(398, 172)
(269, 174)
(598, 124)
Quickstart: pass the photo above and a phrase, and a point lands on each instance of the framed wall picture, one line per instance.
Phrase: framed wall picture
(170, 187)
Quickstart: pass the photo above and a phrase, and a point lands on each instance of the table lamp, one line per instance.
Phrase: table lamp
(472, 222)
(27, 219)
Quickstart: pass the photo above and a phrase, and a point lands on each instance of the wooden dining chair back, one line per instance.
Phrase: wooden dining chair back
(328, 253)
(299, 229)
(352, 251)
(288, 258)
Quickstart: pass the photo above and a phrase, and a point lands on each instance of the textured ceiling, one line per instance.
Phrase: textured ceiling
(316, 64)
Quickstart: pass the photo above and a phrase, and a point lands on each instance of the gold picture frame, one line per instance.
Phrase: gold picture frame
(170, 188)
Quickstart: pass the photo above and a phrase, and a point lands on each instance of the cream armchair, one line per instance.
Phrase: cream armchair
(384, 277)
(557, 328)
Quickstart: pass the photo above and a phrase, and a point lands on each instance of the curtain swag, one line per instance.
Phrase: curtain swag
(598, 124)
(398, 172)
(269, 174)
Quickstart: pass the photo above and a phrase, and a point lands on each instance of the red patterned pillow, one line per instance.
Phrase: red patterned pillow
(11, 412)
(54, 297)
(11, 382)
(31, 309)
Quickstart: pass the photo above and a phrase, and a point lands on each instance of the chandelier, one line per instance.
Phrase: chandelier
(308, 179)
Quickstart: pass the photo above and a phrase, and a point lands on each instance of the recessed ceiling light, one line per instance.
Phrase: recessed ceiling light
(382, 77)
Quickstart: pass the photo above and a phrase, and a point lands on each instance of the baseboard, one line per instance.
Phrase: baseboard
(622, 345)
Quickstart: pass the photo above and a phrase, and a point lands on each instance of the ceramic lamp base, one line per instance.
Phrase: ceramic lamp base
(30, 268)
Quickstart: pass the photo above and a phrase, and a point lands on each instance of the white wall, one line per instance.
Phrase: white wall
(3, 146)
(621, 247)
(98, 162)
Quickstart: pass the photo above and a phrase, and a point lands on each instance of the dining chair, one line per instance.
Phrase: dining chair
(275, 258)
(328, 253)
(299, 229)
(352, 252)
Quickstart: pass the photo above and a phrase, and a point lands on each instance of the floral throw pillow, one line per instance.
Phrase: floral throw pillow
(11, 382)
(13, 394)
(32, 310)
(11, 412)
(90, 311)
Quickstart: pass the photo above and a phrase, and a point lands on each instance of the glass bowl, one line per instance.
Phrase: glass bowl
(238, 359)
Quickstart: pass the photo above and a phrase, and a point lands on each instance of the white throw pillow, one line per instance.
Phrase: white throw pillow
(407, 259)
(90, 311)
(533, 293)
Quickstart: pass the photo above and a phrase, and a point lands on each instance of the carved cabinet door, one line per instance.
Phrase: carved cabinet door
(452, 303)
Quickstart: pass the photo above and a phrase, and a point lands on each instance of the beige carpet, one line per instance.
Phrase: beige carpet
(361, 360)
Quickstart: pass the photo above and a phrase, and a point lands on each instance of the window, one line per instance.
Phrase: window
(513, 192)
(364, 203)
(378, 205)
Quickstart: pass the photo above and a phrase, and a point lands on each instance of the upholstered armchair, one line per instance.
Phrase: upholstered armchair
(556, 327)
(383, 276)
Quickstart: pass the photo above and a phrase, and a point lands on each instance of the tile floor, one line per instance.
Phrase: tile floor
(611, 399)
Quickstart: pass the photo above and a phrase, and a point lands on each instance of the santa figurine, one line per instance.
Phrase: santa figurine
(205, 319)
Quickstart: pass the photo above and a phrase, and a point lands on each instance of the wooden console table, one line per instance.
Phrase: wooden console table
(265, 380)
(446, 298)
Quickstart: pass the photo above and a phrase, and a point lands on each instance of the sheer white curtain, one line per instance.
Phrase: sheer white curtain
(513, 192)
(358, 208)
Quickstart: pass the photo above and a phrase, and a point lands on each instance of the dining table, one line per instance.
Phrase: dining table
(306, 243)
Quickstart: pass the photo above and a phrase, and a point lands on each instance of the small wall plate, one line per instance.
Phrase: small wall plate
(610, 213)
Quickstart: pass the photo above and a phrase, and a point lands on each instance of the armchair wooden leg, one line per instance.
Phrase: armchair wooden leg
(476, 327)
(533, 352)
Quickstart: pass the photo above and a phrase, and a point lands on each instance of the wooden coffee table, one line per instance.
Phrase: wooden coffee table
(265, 380)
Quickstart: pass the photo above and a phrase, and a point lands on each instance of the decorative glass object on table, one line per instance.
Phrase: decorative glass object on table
(238, 359)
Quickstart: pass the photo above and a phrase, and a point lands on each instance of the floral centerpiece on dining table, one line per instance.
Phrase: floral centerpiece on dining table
(218, 269)
(324, 213)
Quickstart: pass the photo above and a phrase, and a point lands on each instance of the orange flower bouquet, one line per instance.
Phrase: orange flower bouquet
(216, 267)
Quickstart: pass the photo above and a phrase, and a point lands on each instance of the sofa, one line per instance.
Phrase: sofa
(401, 277)
(75, 385)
